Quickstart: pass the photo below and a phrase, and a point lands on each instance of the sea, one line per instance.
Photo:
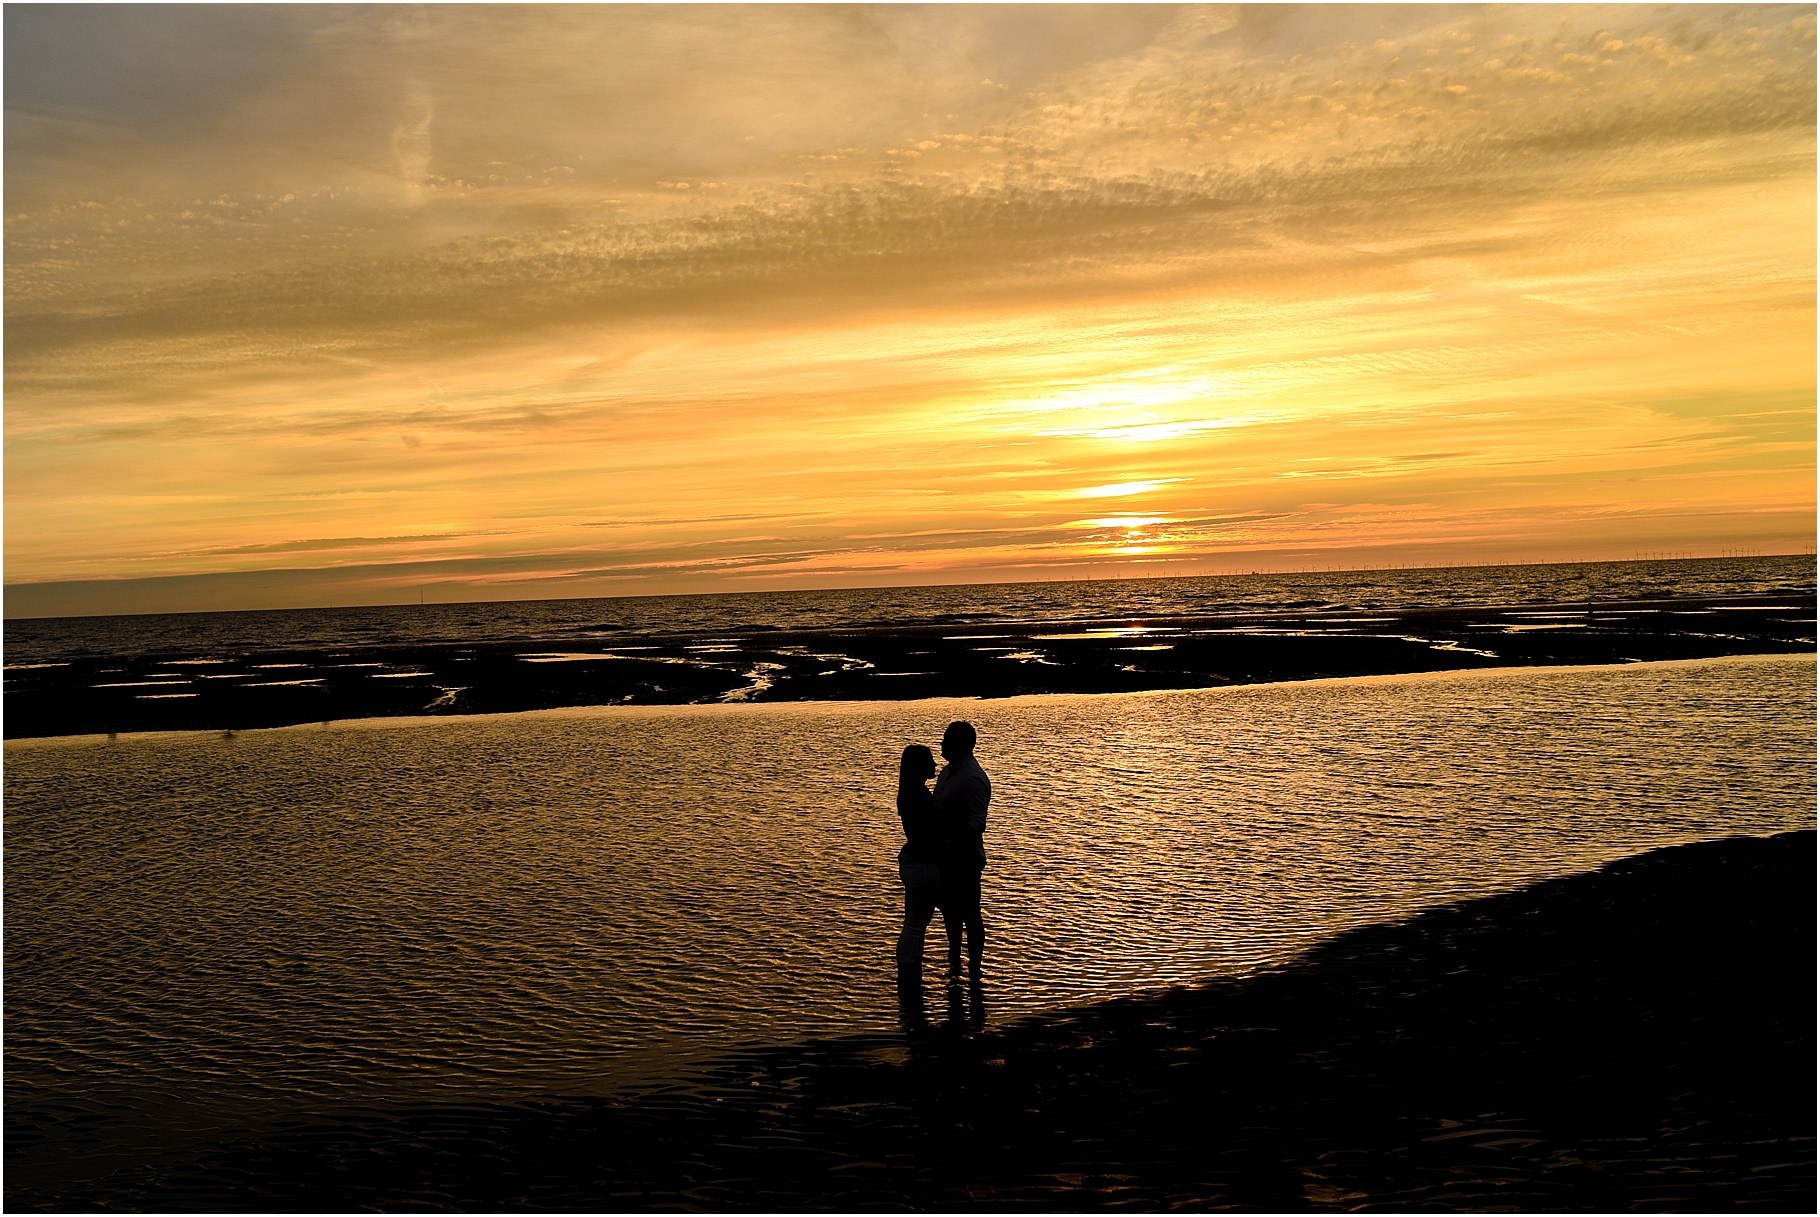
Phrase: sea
(61, 639)
(209, 934)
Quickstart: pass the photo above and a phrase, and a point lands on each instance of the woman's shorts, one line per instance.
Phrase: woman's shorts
(920, 874)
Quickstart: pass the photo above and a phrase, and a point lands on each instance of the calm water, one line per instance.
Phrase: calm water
(201, 635)
(204, 932)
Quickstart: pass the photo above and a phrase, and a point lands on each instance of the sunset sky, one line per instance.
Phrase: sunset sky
(311, 305)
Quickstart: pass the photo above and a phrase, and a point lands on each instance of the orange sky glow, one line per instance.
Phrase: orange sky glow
(311, 305)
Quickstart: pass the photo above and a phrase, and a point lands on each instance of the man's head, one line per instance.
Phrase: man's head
(958, 741)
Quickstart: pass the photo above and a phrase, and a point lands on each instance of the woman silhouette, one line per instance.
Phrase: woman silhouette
(919, 861)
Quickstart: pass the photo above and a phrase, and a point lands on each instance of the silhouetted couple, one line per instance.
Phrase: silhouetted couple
(943, 852)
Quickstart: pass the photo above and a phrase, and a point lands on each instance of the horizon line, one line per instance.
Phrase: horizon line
(1725, 555)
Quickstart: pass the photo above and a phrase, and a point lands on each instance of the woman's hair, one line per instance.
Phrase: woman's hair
(916, 764)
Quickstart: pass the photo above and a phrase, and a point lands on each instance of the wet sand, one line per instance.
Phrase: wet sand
(277, 687)
(1640, 1038)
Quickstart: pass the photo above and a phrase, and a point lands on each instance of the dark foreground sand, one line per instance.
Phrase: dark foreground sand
(1639, 1038)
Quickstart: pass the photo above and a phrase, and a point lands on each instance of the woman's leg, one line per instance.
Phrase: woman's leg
(920, 896)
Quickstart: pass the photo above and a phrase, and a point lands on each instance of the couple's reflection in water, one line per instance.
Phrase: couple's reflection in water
(940, 865)
(961, 1002)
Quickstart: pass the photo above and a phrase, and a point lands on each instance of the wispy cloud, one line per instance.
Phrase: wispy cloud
(309, 544)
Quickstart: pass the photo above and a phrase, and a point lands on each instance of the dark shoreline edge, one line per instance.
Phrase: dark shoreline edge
(100, 694)
(1639, 1037)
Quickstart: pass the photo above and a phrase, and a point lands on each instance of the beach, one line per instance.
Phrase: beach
(1637, 1038)
(251, 685)
(1294, 903)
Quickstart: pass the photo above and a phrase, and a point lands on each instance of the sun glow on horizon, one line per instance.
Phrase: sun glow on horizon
(1119, 490)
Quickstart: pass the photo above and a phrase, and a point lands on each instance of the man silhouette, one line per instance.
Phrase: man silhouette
(962, 794)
